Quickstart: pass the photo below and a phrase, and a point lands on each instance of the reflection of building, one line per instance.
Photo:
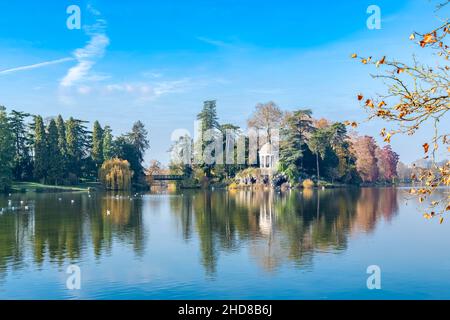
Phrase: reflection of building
(265, 216)
(268, 159)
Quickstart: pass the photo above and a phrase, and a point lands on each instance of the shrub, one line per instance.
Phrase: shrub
(232, 186)
(308, 184)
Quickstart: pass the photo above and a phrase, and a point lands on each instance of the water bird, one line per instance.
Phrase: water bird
(59, 199)
(108, 212)
(9, 203)
(27, 208)
(21, 202)
(72, 201)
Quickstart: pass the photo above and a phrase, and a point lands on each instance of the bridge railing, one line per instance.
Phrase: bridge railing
(164, 177)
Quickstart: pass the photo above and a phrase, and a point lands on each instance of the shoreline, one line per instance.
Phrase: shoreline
(27, 187)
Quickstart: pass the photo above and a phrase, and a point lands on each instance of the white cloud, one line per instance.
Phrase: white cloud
(84, 89)
(145, 91)
(36, 65)
(216, 43)
(88, 56)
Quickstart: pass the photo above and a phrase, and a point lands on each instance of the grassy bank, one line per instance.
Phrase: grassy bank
(38, 187)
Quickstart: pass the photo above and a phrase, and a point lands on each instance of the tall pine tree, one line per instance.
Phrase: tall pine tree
(22, 158)
(77, 143)
(97, 145)
(62, 146)
(208, 121)
(40, 150)
(107, 144)
(55, 173)
(6, 151)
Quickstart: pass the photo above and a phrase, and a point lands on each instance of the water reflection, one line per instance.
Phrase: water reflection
(275, 228)
(279, 227)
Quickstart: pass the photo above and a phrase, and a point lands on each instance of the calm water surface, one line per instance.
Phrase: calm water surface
(222, 245)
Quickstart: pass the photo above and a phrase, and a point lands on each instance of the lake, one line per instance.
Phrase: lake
(310, 244)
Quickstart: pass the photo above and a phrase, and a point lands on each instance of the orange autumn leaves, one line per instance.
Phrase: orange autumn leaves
(428, 38)
(425, 146)
(411, 106)
(369, 59)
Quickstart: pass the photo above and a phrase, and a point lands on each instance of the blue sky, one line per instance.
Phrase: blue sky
(157, 61)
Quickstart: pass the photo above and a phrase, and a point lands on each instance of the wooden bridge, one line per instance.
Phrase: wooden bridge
(167, 177)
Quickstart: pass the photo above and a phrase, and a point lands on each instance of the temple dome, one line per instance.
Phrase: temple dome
(266, 149)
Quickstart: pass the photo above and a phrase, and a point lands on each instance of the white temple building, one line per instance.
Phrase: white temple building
(268, 159)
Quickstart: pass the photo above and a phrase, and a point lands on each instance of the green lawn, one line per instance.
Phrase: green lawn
(38, 187)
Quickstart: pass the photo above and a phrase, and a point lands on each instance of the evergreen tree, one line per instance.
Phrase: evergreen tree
(97, 144)
(6, 151)
(54, 158)
(62, 146)
(208, 121)
(297, 127)
(77, 142)
(208, 116)
(123, 149)
(40, 150)
(137, 138)
(318, 144)
(22, 158)
(107, 145)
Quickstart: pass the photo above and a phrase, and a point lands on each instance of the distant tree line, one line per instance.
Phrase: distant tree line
(308, 148)
(64, 152)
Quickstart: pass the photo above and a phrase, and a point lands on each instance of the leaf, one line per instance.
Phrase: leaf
(380, 61)
(412, 36)
(426, 146)
(429, 38)
(388, 138)
(441, 220)
(400, 70)
(360, 97)
(381, 104)
(369, 103)
(354, 56)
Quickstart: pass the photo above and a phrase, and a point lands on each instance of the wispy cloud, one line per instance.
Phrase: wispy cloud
(216, 43)
(145, 91)
(36, 65)
(87, 56)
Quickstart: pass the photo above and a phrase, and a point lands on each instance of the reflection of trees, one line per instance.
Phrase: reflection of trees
(14, 231)
(371, 205)
(281, 227)
(116, 217)
(59, 230)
